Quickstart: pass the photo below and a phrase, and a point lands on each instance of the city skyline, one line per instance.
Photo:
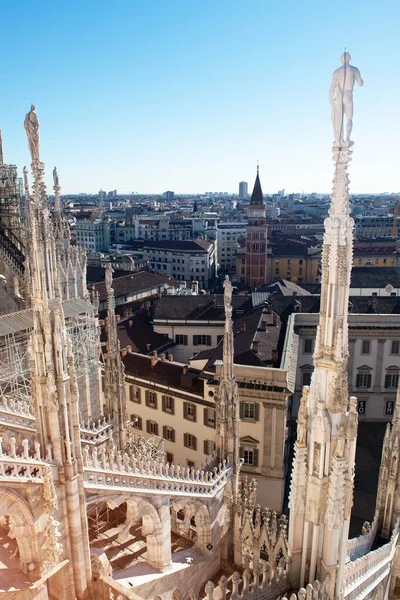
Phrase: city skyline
(189, 98)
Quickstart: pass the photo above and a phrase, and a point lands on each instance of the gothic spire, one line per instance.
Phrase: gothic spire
(227, 401)
(257, 195)
(114, 372)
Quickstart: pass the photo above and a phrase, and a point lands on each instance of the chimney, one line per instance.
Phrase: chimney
(170, 357)
(154, 359)
(254, 346)
(162, 356)
(242, 327)
(274, 319)
(130, 323)
(184, 370)
(275, 356)
(118, 318)
(148, 347)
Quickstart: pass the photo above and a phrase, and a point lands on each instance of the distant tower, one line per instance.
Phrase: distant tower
(395, 217)
(256, 233)
(243, 190)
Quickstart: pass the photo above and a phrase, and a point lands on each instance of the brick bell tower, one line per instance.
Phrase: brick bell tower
(256, 243)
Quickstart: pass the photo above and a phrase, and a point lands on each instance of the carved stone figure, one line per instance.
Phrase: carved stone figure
(302, 418)
(108, 277)
(340, 444)
(227, 293)
(31, 125)
(50, 545)
(55, 177)
(341, 97)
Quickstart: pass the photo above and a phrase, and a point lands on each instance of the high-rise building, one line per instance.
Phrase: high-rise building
(256, 243)
(243, 190)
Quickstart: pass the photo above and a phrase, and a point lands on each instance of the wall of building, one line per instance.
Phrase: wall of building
(371, 352)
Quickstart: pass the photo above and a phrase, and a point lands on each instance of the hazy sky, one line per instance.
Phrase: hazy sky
(187, 95)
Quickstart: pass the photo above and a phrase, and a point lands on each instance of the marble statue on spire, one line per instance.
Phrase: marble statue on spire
(31, 125)
(341, 98)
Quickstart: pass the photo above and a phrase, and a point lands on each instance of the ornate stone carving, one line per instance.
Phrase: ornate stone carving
(52, 548)
(50, 502)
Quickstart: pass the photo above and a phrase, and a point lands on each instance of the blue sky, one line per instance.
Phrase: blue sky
(150, 95)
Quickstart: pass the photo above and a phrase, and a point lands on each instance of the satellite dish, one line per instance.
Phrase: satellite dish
(389, 288)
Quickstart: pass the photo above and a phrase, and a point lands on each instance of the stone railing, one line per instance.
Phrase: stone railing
(357, 547)
(250, 586)
(18, 419)
(109, 589)
(112, 469)
(313, 591)
(364, 574)
(96, 432)
(22, 462)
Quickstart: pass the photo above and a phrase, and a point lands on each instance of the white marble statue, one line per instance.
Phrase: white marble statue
(341, 97)
(228, 289)
(31, 125)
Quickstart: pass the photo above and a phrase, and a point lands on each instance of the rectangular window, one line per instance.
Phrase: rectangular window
(134, 394)
(151, 399)
(152, 427)
(209, 447)
(189, 411)
(306, 378)
(169, 433)
(202, 340)
(209, 417)
(250, 411)
(136, 421)
(365, 347)
(391, 380)
(395, 349)
(168, 404)
(190, 464)
(249, 455)
(308, 343)
(190, 441)
(364, 380)
(181, 339)
(169, 457)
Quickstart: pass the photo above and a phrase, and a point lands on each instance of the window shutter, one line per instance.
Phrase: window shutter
(163, 404)
(195, 340)
(173, 435)
(164, 432)
(140, 422)
(241, 449)
(147, 397)
(155, 428)
(205, 447)
(256, 411)
(148, 426)
(139, 395)
(155, 404)
(241, 410)
(255, 457)
(172, 406)
(205, 413)
(194, 412)
(194, 438)
(185, 440)
(185, 415)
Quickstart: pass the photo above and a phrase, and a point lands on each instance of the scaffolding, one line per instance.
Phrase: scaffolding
(83, 331)
(15, 373)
